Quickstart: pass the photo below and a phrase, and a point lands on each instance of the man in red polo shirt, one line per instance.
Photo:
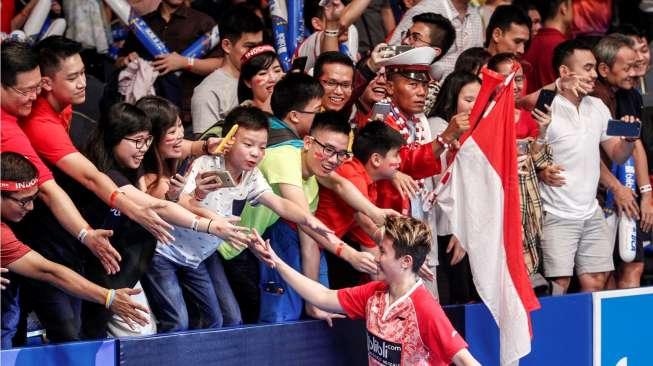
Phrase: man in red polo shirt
(21, 84)
(557, 17)
(19, 189)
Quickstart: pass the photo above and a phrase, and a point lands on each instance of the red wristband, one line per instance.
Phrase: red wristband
(112, 198)
(339, 248)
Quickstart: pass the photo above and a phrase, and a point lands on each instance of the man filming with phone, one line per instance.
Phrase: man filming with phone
(616, 68)
(574, 233)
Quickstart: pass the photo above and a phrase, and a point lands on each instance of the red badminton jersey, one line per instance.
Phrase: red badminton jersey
(411, 331)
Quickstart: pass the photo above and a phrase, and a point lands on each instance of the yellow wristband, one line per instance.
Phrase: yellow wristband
(108, 298)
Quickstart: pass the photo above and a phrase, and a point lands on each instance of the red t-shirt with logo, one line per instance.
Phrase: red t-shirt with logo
(47, 130)
(13, 139)
(11, 249)
(411, 331)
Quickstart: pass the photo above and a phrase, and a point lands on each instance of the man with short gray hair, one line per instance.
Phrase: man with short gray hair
(617, 73)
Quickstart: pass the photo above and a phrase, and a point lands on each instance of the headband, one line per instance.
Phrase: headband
(16, 186)
(255, 52)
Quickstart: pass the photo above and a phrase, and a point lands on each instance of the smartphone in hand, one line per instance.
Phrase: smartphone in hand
(545, 98)
(221, 177)
(380, 110)
(618, 127)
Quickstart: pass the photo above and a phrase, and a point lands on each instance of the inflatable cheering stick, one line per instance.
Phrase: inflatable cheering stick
(204, 44)
(627, 225)
(36, 20)
(56, 27)
(279, 15)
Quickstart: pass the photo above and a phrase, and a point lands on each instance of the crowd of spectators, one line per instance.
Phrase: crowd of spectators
(138, 209)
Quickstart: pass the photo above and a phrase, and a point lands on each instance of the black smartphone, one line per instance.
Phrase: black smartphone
(183, 167)
(545, 98)
(380, 111)
(626, 129)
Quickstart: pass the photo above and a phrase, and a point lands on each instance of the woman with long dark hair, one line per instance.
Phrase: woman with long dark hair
(170, 150)
(117, 148)
(456, 98)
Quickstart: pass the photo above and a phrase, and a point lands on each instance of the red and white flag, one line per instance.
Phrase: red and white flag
(480, 195)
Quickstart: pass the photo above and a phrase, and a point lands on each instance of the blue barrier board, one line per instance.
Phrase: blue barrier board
(93, 353)
(622, 328)
(562, 332)
(298, 343)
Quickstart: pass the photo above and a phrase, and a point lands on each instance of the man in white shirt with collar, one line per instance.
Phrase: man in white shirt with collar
(464, 18)
(574, 230)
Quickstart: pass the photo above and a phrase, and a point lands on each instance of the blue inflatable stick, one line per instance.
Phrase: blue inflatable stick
(627, 241)
(293, 25)
(280, 28)
(203, 44)
(141, 30)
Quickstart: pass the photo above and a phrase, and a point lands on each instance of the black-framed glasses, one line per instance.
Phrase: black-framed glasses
(333, 84)
(141, 143)
(415, 37)
(35, 90)
(329, 151)
(22, 202)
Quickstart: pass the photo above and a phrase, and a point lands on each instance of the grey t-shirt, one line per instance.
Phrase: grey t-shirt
(216, 95)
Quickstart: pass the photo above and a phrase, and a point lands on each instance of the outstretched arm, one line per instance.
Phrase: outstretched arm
(33, 265)
(308, 289)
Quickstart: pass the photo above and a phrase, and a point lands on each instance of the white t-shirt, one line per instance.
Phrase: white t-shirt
(310, 48)
(574, 136)
(190, 247)
(212, 99)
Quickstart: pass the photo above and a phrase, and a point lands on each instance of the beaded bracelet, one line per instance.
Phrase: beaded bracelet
(645, 188)
(441, 141)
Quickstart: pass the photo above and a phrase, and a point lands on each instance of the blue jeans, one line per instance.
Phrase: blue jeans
(10, 311)
(280, 302)
(167, 283)
(226, 299)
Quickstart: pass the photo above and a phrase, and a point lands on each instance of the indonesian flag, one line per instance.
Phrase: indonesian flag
(480, 195)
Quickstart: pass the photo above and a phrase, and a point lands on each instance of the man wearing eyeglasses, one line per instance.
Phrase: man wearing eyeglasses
(19, 189)
(430, 30)
(335, 72)
(465, 20)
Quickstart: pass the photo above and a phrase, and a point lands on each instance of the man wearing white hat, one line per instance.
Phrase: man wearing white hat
(408, 76)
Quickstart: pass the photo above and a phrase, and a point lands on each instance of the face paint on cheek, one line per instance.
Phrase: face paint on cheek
(319, 155)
